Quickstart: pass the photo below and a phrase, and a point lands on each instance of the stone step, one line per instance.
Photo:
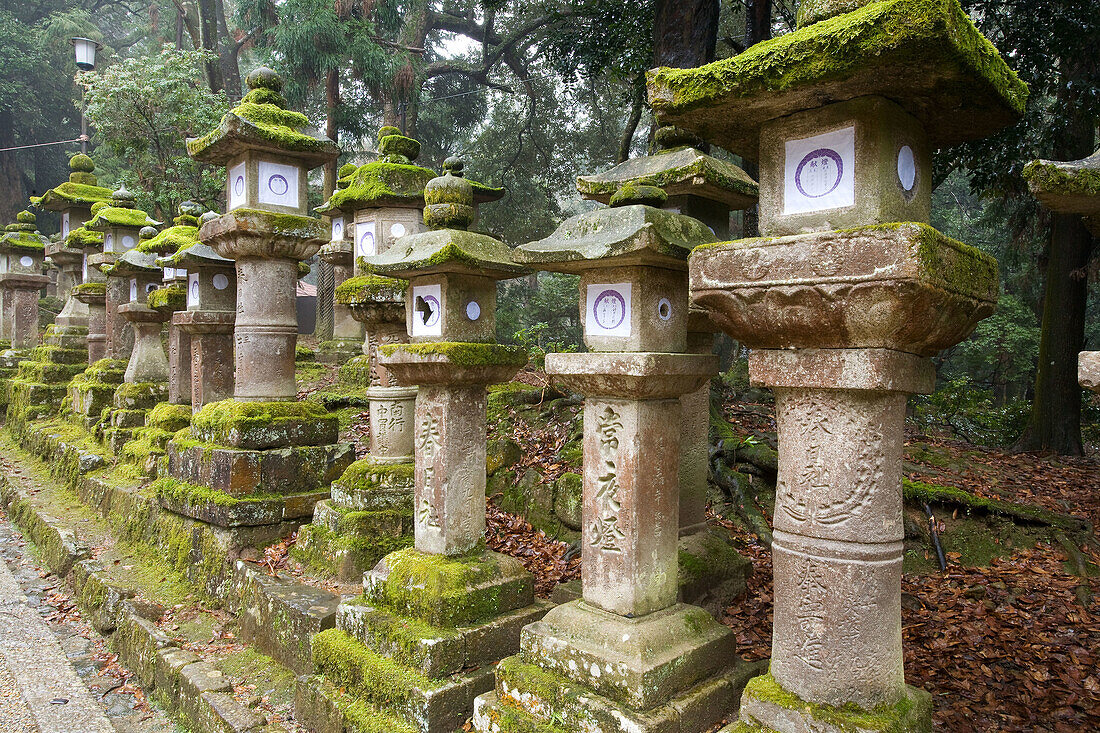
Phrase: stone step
(434, 651)
(59, 355)
(449, 591)
(347, 544)
(44, 372)
(430, 705)
(224, 510)
(322, 708)
(536, 695)
(490, 716)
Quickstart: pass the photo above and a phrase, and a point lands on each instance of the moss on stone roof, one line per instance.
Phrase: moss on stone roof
(120, 216)
(71, 194)
(260, 122)
(683, 170)
(926, 55)
(167, 298)
(23, 241)
(82, 238)
(381, 184)
(1076, 178)
(463, 354)
(171, 240)
(447, 250)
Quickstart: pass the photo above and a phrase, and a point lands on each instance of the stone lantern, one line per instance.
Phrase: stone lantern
(22, 249)
(120, 223)
(708, 189)
(73, 200)
(145, 382)
(347, 333)
(208, 322)
(1070, 188)
(184, 233)
(842, 301)
(634, 654)
(459, 606)
(267, 457)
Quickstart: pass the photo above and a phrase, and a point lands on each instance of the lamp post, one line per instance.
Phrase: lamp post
(85, 49)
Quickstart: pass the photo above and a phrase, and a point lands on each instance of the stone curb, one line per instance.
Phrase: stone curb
(193, 689)
(282, 615)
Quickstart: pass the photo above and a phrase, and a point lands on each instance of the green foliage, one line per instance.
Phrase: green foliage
(143, 109)
(1001, 352)
(540, 313)
(967, 411)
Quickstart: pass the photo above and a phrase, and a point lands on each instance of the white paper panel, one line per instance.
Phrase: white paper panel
(427, 319)
(238, 186)
(278, 184)
(608, 309)
(819, 173)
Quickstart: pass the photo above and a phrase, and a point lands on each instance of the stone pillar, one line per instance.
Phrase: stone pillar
(118, 333)
(266, 329)
(93, 294)
(179, 364)
(695, 434)
(23, 316)
(347, 334)
(74, 313)
(148, 362)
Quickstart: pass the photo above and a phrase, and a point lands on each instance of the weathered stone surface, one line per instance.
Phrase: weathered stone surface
(1088, 370)
(448, 591)
(632, 375)
(640, 662)
(279, 470)
(148, 362)
(211, 354)
(257, 425)
(280, 616)
(1071, 187)
(392, 412)
(896, 286)
(765, 706)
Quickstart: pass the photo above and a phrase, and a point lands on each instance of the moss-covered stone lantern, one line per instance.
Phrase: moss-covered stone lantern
(842, 301)
(262, 458)
(73, 200)
(145, 382)
(22, 251)
(347, 333)
(459, 605)
(120, 223)
(708, 189)
(208, 321)
(1072, 187)
(184, 233)
(633, 653)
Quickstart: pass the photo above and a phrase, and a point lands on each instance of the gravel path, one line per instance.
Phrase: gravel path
(52, 694)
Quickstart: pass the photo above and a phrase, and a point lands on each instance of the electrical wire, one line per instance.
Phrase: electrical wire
(39, 145)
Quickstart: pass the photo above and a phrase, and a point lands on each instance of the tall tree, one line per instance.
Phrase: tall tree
(1051, 44)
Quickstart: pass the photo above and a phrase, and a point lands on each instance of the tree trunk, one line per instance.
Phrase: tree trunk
(208, 37)
(227, 56)
(1055, 421)
(332, 101)
(685, 32)
(12, 196)
(636, 108)
(758, 21)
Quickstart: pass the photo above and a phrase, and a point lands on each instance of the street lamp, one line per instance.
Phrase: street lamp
(85, 49)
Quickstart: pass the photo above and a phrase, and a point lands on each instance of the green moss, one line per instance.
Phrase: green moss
(919, 492)
(182, 492)
(138, 391)
(220, 418)
(91, 288)
(715, 172)
(836, 48)
(365, 475)
(167, 298)
(287, 225)
(1052, 178)
(449, 247)
(171, 240)
(304, 353)
(117, 216)
(70, 193)
(379, 184)
(23, 242)
(463, 354)
(368, 288)
(849, 718)
(348, 664)
(167, 416)
(81, 238)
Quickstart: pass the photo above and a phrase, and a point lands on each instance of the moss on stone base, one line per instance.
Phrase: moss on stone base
(348, 664)
(463, 354)
(232, 422)
(169, 417)
(186, 493)
(912, 714)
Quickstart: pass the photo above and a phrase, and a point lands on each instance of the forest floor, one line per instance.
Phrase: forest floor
(1007, 638)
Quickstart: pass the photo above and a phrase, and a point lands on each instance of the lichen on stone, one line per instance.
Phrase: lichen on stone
(368, 288)
(463, 354)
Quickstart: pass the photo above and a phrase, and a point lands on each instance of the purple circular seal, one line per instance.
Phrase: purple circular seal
(819, 173)
(278, 185)
(609, 310)
(238, 186)
(432, 316)
(366, 243)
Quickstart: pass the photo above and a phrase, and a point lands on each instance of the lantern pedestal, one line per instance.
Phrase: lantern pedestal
(211, 337)
(347, 332)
